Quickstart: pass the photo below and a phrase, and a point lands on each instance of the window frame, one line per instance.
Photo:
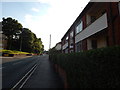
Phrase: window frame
(79, 47)
(94, 44)
(67, 38)
(71, 34)
(79, 26)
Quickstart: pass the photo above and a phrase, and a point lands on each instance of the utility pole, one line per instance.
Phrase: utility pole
(50, 42)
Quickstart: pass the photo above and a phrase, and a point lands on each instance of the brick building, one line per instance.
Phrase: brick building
(3, 41)
(58, 46)
(97, 26)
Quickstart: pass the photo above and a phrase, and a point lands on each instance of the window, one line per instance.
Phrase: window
(93, 18)
(71, 38)
(79, 47)
(67, 38)
(94, 44)
(79, 27)
(71, 41)
(71, 44)
(71, 51)
(66, 50)
(71, 34)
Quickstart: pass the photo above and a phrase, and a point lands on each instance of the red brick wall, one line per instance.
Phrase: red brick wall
(84, 21)
(74, 34)
(69, 42)
(117, 30)
(116, 22)
(113, 24)
(113, 30)
(84, 42)
(110, 28)
(84, 45)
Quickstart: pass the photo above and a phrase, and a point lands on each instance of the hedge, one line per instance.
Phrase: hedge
(12, 53)
(98, 68)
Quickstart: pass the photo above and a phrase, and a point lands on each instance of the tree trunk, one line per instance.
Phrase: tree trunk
(9, 42)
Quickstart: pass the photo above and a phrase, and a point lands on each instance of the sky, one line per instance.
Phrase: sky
(44, 17)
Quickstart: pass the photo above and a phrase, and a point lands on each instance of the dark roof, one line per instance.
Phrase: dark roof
(79, 17)
(57, 43)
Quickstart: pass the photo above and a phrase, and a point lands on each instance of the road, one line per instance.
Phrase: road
(9, 59)
(42, 77)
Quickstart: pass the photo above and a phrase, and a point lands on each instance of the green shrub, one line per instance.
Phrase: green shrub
(13, 52)
(98, 68)
(7, 51)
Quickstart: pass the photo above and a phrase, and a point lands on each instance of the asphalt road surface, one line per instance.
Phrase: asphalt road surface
(43, 76)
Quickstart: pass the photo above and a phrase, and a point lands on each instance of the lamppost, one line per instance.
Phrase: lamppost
(50, 42)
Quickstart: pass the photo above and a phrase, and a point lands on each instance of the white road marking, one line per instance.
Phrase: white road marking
(23, 78)
(27, 78)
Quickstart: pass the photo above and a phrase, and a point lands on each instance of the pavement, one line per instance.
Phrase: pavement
(44, 76)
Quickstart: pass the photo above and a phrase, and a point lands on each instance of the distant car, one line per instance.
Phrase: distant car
(28, 54)
(41, 54)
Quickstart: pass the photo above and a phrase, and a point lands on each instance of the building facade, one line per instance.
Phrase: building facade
(97, 26)
(3, 41)
(58, 46)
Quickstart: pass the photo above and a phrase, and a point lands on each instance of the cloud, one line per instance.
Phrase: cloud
(28, 18)
(58, 19)
(47, 1)
(18, 0)
(35, 9)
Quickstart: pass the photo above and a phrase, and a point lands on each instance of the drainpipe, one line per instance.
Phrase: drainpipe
(74, 39)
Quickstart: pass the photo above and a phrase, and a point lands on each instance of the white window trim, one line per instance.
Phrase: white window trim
(78, 47)
(67, 38)
(78, 26)
(71, 34)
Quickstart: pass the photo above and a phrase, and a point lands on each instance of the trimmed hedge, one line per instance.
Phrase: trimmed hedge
(98, 68)
(13, 52)
(10, 53)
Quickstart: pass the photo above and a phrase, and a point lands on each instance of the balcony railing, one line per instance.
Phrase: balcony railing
(97, 26)
(71, 46)
(65, 46)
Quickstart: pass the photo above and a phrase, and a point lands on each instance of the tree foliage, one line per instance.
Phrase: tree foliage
(20, 38)
(10, 28)
(26, 40)
(37, 45)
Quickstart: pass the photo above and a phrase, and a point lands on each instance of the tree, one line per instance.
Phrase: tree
(20, 38)
(38, 47)
(26, 40)
(30, 43)
(11, 28)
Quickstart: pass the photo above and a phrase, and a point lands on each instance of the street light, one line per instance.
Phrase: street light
(50, 42)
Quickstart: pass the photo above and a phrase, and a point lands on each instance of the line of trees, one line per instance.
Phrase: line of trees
(19, 38)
